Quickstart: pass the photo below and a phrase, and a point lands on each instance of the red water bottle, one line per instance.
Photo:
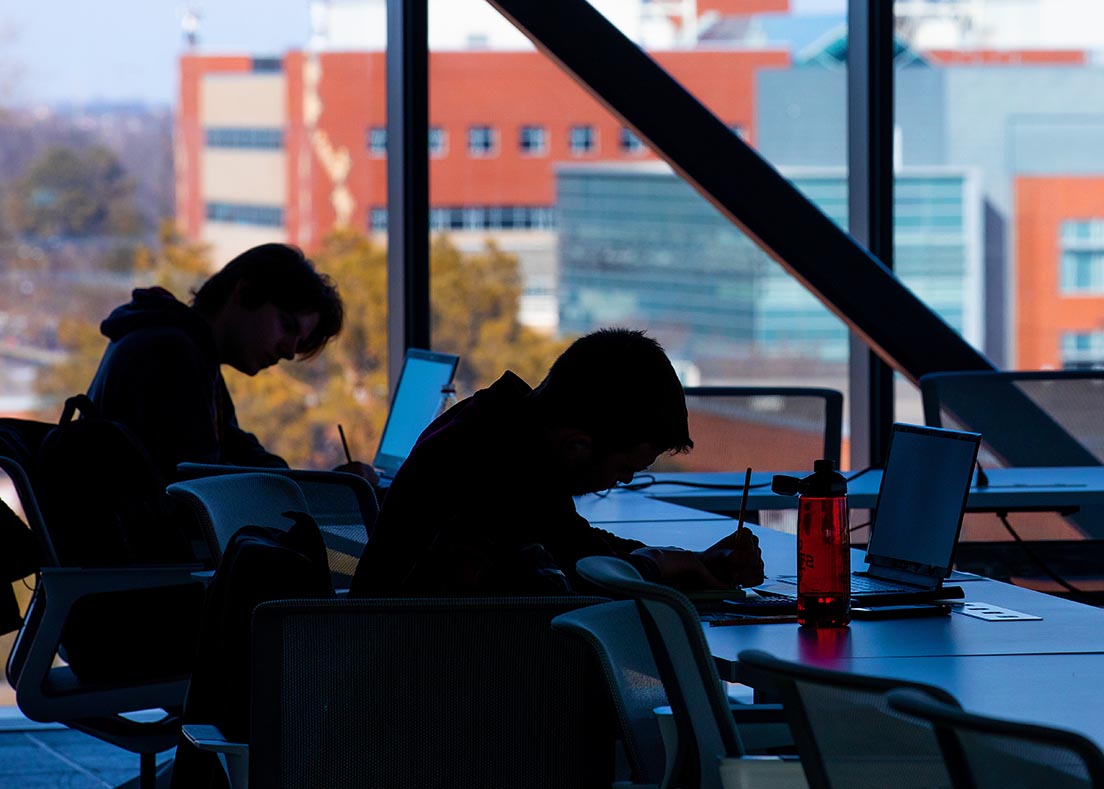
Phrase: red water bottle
(823, 545)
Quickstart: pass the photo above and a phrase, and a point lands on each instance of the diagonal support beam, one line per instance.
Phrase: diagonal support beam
(839, 271)
(850, 281)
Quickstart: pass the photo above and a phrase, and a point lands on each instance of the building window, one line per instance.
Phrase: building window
(438, 141)
(246, 214)
(257, 139)
(1082, 263)
(533, 140)
(629, 142)
(267, 65)
(377, 140)
(582, 140)
(482, 140)
(1082, 350)
(377, 220)
(509, 217)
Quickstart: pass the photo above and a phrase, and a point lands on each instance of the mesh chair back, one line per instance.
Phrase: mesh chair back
(1041, 418)
(412, 692)
(846, 734)
(343, 505)
(616, 635)
(734, 427)
(222, 505)
(706, 731)
(990, 753)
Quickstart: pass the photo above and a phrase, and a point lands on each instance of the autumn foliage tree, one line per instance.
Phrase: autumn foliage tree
(295, 408)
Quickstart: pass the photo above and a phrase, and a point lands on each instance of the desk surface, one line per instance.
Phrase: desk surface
(1048, 671)
(1010, 488)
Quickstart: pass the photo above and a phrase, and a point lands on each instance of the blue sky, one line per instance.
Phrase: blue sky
(122, 50)
(126, 50)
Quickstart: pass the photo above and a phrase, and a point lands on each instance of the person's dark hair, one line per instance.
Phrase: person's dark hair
(619, 386)
(281, 275)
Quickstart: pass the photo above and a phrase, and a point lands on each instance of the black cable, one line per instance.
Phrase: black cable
(651, 480)
(1084, 596)
(634, 485)
(860, 526)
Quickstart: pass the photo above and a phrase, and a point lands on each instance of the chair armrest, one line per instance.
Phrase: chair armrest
(233, 756)
(32, 659)
(210, 738)
(762, 772)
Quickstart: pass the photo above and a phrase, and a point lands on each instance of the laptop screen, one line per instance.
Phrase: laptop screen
(415, 402)
(922, 499)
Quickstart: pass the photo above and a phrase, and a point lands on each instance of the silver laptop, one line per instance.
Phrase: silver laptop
(416, 399)
(917, 519)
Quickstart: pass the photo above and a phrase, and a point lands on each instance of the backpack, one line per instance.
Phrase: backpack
(259, 564)
(102, 496)
(104, 505)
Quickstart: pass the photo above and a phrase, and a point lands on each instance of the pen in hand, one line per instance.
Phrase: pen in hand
(743, 501)
(345, 444)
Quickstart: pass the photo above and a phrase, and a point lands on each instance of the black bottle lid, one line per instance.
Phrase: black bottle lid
(825, 481)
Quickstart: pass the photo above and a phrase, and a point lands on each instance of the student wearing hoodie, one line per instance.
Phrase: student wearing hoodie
(161, 373)
(483, 505)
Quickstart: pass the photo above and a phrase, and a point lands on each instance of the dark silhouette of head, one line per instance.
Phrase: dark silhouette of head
(281, 275)
(619, 387)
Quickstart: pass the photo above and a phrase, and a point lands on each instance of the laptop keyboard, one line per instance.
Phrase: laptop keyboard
(862, 583)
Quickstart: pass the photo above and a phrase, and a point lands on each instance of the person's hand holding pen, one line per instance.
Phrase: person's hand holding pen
(737, 559)
(734, 561)
(355, 466)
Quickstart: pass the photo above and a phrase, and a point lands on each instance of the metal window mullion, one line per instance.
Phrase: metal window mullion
(870, 207)
(408, 317)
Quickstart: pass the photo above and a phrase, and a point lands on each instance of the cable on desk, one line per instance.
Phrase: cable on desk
(1084, 596)
(650, 479)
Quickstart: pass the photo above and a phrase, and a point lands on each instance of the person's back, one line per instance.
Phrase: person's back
(484, 504)
(161, 373)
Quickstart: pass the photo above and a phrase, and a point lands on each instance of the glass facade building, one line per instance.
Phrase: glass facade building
(640, 247)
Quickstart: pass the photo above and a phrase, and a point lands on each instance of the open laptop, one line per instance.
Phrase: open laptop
(417, 396)
(917, 519)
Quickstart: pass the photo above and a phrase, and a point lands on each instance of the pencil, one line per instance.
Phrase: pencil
(743, 500)
(345, 445)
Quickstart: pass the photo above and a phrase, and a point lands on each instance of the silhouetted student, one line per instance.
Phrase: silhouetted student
(161, 373)
(484, 505)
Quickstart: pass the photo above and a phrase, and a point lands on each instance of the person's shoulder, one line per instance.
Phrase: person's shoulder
(164, 343)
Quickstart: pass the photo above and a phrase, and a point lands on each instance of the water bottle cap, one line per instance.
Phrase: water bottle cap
(825, 480)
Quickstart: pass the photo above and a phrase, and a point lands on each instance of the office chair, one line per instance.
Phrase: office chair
(708, 750)
(51, 693)
(1026, 418)
(411, 692)
(221, 505)
(614, 633)
(1033, 419)
(991, 753)
(846, 735)
(765, 427)
(344, 506)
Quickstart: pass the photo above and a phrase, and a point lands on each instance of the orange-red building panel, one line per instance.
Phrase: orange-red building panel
(1007, 57)
(1043, 313)
(505, 90)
